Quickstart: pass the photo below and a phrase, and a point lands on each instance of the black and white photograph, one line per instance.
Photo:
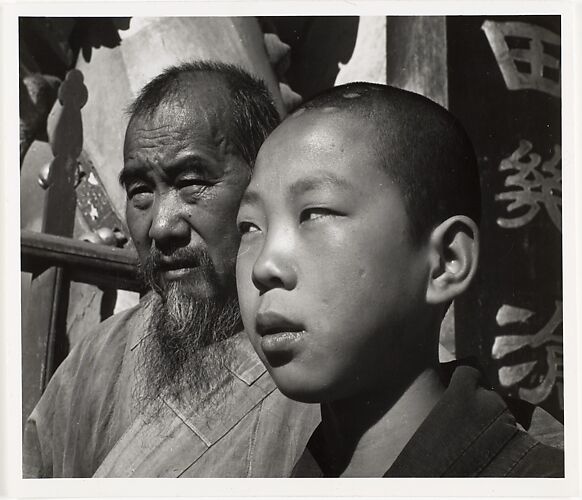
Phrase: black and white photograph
(291, 243)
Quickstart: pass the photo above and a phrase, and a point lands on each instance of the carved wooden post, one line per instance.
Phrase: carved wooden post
(44, 335)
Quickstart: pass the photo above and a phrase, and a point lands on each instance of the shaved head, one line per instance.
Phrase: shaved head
(421, 146)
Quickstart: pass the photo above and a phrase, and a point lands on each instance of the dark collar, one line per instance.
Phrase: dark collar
(465, 430)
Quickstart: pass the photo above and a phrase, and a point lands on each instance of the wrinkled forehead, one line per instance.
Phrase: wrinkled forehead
(194, 102)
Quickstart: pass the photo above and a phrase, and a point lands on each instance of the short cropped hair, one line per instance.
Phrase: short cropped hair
(422, 147)
(254, 115)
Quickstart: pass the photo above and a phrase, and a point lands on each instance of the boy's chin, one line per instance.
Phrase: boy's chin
(300, 389)
(301, 394)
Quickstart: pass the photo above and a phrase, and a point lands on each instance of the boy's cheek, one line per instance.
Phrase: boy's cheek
(246, 290)
(246, 299)
(244, 263)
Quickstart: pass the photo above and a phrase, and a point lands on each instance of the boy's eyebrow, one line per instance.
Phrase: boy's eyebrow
(313, 183)
(301, 186)
(250, 197)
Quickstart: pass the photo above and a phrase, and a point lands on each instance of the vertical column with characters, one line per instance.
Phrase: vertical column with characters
(512, 318)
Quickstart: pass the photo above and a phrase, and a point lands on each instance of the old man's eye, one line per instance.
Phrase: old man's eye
(192, 187)
(140, 195)
(186, 182)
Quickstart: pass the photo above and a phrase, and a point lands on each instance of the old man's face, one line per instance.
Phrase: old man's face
(184, 181)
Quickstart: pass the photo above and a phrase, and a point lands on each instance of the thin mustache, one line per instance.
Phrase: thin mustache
(179, 259)
(176, 264)
(150, 270)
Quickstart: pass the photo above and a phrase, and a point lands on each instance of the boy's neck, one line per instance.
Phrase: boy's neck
(363, 438)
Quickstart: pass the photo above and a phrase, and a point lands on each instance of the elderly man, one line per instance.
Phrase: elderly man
(171, 388)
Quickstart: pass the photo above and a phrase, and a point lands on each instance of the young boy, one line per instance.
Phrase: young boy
(359, 227)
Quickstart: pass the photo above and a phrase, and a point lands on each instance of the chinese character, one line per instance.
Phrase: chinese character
(545, 339)
(528, 64)
(534, 186)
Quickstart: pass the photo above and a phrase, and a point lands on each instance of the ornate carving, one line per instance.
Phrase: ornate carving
(279, 55)
(67, 143)
(37, 96)
(93, 200)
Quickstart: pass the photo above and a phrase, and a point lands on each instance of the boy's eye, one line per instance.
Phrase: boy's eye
(247, 227)
(315, 213)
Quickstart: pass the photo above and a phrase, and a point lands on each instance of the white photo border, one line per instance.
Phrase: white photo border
(11, 482)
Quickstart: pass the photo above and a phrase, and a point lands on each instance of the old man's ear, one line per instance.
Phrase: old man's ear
(454, 255)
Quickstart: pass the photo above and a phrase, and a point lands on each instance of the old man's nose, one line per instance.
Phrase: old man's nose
(170, 227)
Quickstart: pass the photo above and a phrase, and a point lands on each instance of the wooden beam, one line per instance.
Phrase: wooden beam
(85, 262)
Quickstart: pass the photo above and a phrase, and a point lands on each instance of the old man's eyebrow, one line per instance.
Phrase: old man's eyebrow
(200, 165)
(131, 174)
(314, 183)
(127, 175)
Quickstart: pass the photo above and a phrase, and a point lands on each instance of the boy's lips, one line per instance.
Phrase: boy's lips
(279, 336)
(272, 322)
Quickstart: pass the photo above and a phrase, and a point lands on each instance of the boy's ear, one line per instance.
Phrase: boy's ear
(454, 255)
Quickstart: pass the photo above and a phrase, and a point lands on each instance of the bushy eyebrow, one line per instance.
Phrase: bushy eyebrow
(202, 165)
(127, 175)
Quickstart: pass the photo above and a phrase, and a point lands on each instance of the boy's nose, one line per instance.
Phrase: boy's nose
(274, 267)
(170, 228)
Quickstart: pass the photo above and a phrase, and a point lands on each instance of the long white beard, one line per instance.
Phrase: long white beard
(185, 349)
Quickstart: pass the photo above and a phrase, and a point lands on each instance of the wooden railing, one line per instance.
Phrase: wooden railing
(83, 262)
